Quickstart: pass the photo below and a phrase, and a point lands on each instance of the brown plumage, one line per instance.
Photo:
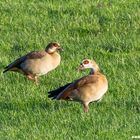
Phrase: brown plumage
(86, 89)
(37, 63)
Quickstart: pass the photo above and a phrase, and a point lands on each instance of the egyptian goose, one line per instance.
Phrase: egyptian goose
(86, 89)
(37, 63)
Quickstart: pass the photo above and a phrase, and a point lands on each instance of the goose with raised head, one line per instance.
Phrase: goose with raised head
(87, 89)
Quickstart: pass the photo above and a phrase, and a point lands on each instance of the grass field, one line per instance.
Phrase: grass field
(107, 31)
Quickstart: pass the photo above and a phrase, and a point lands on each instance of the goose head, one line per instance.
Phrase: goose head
(53, 47)
(89, 64)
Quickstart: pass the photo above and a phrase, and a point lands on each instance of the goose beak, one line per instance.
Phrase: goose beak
(60, 49)
(81, 67)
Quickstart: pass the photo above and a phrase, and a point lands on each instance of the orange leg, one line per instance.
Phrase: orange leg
(30, 77)
(33, 78)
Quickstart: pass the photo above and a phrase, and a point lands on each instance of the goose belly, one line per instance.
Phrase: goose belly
(100, 92)
(38, 67)
(90, 93)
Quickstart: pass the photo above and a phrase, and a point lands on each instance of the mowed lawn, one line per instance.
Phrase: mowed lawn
(107, 31)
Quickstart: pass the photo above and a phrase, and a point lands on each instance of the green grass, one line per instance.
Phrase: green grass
(107, 31)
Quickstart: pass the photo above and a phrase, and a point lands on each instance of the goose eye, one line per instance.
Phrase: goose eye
(86, 62)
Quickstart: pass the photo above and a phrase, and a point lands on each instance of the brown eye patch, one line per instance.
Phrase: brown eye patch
(86, 62)
(55, 45)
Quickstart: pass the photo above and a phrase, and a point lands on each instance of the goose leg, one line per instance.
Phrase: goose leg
(33, 78)
(86, 107)
(30, 77)
(36, 80)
